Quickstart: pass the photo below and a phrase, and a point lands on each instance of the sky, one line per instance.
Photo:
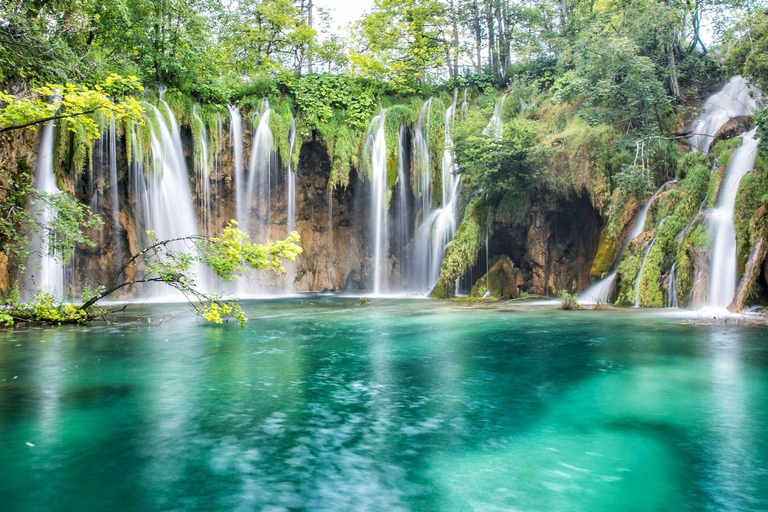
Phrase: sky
(344, 11)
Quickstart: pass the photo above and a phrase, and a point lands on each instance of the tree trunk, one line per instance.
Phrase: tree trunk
(309, 50)
(492, 55)
(455, 28)
(673, 84)
(478, 30)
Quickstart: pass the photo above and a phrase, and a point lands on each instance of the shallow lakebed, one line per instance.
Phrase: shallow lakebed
(324, 404)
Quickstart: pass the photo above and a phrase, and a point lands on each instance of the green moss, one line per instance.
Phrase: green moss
(462, 252)
(651, 293)
(749, 211)
(686, 262)
(626, 276)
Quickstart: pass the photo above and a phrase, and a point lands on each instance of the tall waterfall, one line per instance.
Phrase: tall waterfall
(166, 195)
(724, 272)
(46, 268)
(203, 176)
(376, 146)
(290, 180)
(421, 159)
(105, 166)
(402, 224)
(732, 100)
(600, 290)
(438, 224)
(236, 143)
(260, 175)
(495, 126)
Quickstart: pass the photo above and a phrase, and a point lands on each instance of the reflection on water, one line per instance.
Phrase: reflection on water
(399, 405)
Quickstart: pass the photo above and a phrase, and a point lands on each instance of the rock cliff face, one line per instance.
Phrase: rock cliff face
(18, 158)
(553, 251)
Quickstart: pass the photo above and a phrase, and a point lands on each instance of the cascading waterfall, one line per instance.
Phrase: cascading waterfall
(600, 290)
(724, 272)
(421, 158)
(114, 193)
(46, 267)
(260, 175)
(236, 143)
(105, 164)
(495, 126)
(734, 99)
(203, 176)
(438, 225)
(168, 200)
(377, 151)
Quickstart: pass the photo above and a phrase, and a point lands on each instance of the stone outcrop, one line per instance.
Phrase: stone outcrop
(502, 281)
(700, 277)
(734, 127)
(752, 271)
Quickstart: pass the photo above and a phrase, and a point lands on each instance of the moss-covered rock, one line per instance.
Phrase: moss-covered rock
(501, 282)
(462, 252)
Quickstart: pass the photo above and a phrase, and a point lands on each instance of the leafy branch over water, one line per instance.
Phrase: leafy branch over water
(172, 262)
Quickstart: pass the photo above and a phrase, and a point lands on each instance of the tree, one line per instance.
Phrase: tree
(402, 41)
(68, 220)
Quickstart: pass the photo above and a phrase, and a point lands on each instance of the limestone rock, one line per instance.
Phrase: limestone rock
(502, 281)
(734, 127)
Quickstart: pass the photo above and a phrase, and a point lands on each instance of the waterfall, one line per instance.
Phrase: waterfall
(672, 287)
(165, 190)
(203, 175)
(401, 214)
(46, 268)
(290, 180)
(236, 142)
(734, 99)
(376, 146)
(495, 126)
(260, 174)
(114, 193)
(439, 224)
(105, 165)
(600, 290)
(421, 158)
(724, 267)
(464, 105)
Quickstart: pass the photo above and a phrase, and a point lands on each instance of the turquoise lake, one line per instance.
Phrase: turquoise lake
(324, 404)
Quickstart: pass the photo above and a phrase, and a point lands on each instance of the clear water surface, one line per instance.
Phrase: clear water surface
(320, 404)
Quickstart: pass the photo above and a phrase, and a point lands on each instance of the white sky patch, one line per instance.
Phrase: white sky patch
(344, 12)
